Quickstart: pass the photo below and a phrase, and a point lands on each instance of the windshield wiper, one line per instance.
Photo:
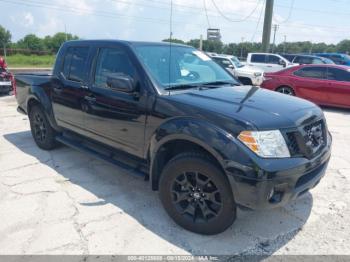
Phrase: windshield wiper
(216, 83)
(182, 87)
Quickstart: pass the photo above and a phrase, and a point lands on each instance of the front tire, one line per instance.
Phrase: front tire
(42, 132)
(197, 195)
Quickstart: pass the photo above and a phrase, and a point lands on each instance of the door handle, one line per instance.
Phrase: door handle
(90, 99)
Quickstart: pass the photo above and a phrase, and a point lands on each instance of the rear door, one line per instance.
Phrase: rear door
(259, 60)
(269, 63)
(114, 117)
(69, 88)
(311, 83)
(339, 85)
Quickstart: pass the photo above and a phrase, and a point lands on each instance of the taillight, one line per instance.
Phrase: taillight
(14, 86)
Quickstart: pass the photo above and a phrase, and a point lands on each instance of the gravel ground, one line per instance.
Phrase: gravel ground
(64, 202)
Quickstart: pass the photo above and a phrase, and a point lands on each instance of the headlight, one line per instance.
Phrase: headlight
(257, 74)
(267, 144)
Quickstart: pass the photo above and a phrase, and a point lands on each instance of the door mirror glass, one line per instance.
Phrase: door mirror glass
(120, 82)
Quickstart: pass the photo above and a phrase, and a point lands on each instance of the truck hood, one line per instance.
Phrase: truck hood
(249, 69)
(255, 106)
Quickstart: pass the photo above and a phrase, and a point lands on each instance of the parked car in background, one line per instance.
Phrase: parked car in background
(205, 143)
(339, 59)
(247, 75)
(268, 62)
(321, 84)
(6, 80)
(307, 59)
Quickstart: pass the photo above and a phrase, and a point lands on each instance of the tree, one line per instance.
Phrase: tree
(54, 43)
(5, 38)
(31, 42)
(174, 40)
(344, 46)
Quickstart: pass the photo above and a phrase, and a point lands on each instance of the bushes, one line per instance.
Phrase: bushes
(19, 60)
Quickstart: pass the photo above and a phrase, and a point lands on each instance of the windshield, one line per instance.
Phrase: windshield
(187, 66)
(327, 61)
(236, 62)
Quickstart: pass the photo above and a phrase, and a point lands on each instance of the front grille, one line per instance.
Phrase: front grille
(307, 140)
(293, 146)
(315, 136)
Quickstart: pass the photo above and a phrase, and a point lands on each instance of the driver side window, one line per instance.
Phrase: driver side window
(272, 59)
(112, 61)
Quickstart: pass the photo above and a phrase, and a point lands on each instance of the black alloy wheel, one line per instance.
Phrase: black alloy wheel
(43, 133)
(197, 194)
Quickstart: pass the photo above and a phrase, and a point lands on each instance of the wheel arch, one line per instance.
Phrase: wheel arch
(189, 134)
(40, 98)
(174, 145)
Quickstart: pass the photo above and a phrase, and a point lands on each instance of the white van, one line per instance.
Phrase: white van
(268, 62)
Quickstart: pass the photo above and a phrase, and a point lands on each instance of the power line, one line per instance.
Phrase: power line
(206, 12)
(290, 12)
(113, 15)
(258, 22)
(235, 21)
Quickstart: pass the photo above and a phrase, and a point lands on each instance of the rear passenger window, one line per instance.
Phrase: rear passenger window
(74, 63)
(258, 59)
(338, 75)
(312, 72)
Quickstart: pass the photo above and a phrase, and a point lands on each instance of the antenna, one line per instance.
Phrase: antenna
(170, 38)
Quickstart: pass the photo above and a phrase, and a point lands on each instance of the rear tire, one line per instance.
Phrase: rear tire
(196, 194)
(42, 132)
(286, 90)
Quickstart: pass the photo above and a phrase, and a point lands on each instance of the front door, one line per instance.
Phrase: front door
(113, 117)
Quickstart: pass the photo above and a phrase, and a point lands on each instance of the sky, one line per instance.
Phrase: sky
(149, 20)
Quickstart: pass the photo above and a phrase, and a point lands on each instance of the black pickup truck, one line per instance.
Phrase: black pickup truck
(169, 113)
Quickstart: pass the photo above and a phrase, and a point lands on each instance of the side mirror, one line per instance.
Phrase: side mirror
(121, 82)
(231, 67)
(282, 63)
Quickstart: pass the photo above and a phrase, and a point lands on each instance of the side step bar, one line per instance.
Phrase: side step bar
(108, 156)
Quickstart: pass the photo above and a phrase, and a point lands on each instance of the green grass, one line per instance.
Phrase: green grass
(30, 61)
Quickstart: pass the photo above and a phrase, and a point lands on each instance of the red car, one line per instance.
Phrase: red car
(321, 84)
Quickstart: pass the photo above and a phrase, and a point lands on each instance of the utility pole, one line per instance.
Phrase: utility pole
(284, 44)
(267, 26)
(242, 48)
(201, 43)
(65, 32)
(5, 53)
(275, 28)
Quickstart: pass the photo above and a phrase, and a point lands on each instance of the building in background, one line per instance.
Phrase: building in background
(213, 34)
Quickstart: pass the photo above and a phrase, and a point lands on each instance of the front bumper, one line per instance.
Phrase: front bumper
(279, 187)
(257, 81)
